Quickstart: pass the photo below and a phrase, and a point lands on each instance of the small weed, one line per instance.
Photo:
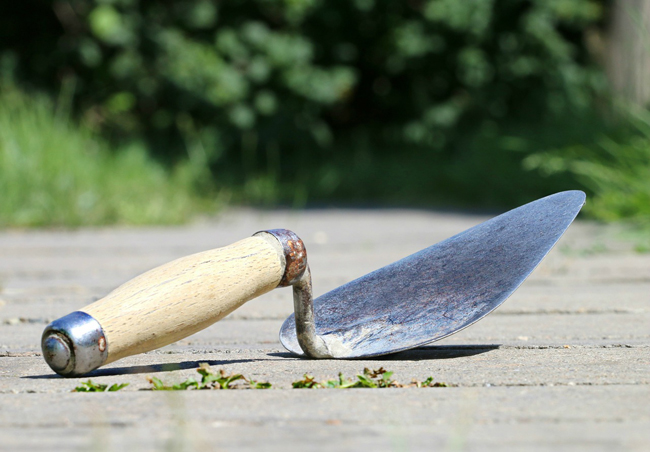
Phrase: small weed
(307, 382)
(90, 386)
(252, 384)
(209, 380)
(158, 385)
(379, 378)
(340, 383)
(429, 383)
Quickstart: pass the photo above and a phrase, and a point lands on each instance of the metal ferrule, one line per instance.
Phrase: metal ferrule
(297, 275)
(295, 255)
(74, 345)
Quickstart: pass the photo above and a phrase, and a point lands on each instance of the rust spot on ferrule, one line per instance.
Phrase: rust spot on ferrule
(295, 255)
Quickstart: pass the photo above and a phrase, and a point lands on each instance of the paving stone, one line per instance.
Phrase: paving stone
(564, 364)
(512, 418)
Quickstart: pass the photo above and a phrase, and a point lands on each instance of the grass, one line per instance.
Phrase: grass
(54, 172)
(210, 380)
(615, 171)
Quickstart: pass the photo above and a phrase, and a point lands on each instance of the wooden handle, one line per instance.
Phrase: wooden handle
(182, 297)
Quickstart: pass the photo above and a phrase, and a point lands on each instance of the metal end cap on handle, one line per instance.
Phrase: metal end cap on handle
(74, 345)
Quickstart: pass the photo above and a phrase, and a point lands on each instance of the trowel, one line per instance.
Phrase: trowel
(419, 299)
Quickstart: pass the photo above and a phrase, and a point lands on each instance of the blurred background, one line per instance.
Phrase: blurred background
(139, 112)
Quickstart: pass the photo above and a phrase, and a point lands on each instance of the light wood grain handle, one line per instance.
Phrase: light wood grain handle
(173, 301)
(182, 297)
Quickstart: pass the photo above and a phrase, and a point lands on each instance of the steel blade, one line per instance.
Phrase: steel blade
(442, 289)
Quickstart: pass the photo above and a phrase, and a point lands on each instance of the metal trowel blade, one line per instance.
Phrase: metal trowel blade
(442, 289)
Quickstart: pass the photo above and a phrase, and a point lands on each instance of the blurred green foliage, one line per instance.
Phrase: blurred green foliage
(54, 173)
(419, 101)
(616, 169)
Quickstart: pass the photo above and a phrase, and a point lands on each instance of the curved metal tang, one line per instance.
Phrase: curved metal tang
(442, 289)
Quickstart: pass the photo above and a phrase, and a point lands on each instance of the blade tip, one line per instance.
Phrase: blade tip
(575, 196)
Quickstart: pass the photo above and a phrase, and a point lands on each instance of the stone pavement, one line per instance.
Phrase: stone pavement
(564, 364)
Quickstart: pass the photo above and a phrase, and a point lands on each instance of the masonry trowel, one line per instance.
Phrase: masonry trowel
(417, 300)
